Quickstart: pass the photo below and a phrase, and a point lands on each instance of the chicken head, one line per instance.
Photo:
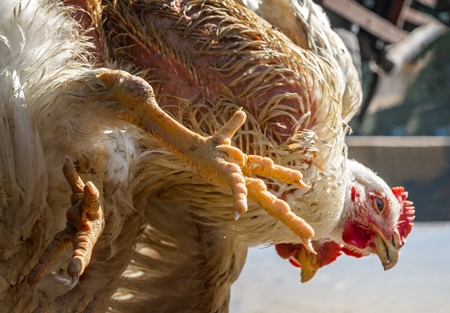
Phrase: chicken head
(376, 220)
(379, 218)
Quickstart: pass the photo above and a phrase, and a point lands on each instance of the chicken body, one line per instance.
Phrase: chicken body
(171, 230)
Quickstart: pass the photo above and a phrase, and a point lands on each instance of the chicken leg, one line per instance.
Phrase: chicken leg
(212, 157)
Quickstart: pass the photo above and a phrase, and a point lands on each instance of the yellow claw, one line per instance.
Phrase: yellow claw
(262, 166)
(85, 224)
(229, 129)
(279, 209)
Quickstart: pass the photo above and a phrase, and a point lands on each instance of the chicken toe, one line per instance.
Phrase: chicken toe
(87, 217)
(62, 240)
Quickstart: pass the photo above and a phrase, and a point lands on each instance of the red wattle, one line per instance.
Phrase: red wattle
(286, 250)
(327, 252)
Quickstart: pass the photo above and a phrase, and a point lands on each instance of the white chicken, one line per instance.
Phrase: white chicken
(149, 232)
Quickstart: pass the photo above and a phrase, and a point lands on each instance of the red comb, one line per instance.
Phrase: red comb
(406, 218)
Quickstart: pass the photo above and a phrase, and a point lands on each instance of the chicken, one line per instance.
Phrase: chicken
(60, 97)
(295, 18)
(150, 224)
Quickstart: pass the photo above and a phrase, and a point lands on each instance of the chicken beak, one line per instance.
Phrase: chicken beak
(308, 263)
(388, 251)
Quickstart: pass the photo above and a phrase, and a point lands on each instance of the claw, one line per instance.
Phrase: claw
(279, 209)
(261, 166)
(87, 217)
(75, 181)
(232, 125)
(212, 157)
(85, 224)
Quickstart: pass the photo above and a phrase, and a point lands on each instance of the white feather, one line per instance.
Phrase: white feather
(23, 143)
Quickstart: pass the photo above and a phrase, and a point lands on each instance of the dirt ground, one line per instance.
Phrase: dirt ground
(419, 283)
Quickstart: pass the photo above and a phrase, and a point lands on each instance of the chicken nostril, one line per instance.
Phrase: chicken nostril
(396, 241)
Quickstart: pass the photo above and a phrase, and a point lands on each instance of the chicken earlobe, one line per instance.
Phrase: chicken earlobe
(212, 157)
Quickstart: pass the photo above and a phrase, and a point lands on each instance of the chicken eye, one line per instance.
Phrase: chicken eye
(378, 204)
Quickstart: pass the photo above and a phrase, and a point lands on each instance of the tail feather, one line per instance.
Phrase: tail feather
(22, 167)
(23, 143)
(8, 186)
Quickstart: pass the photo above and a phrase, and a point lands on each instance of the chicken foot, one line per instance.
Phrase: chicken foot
(85, 224)
(212, 157)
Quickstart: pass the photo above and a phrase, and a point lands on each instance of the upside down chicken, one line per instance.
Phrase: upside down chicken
(145, 145)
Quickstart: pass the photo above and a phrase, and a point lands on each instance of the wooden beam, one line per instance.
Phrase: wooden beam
(418, 18)
(366, 19)
(428, 3)
(410, 47)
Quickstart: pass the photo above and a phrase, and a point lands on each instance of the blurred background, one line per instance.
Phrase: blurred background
(419, 283)
(402, 51)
